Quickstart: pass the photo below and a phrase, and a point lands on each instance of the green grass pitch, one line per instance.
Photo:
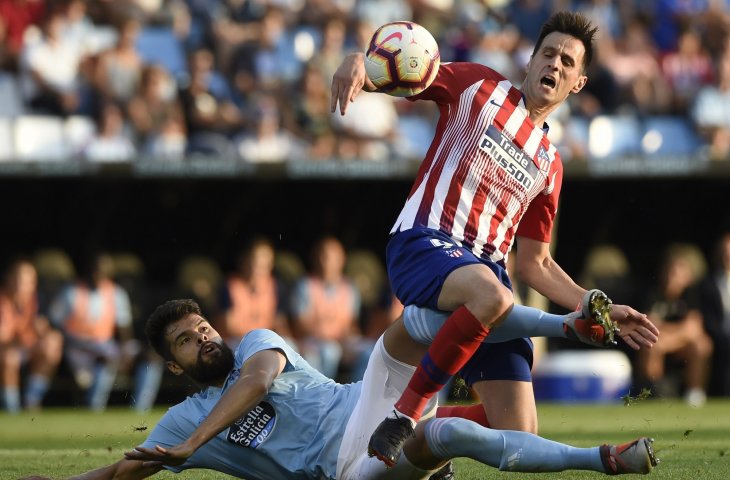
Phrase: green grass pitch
(693, 444)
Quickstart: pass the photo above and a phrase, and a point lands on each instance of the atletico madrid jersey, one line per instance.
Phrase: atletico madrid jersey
(490, 173)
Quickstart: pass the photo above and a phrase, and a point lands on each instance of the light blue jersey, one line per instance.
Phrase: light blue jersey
(295, 432)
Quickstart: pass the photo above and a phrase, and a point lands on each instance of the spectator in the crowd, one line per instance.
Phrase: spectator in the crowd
(711, 111)
(25, 338)
(15, 18)
(674, 307)
(156, 115)
(51, 69)
(325, 309)
(633, 61)
(111, 142)
(95, 317)
(495, 47)
(232, 24)
(331, 51)
(268, 141)
(715, 301)
(210, 113)
(251, 297)
(687, 69)
(118, 70)
(266, 63)
(311, 115)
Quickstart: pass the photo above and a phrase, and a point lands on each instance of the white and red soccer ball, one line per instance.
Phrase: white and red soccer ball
(402, 59)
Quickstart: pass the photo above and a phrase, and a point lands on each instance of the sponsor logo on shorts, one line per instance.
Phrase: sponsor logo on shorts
(254, 428)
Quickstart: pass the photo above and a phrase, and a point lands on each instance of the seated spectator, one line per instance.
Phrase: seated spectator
(25, 338)
(118, 70)
(711, 111)
(268, 142)
(674, 308)
(210, 113)
(110, 143)
(687, 69)
(360, 137)
(251, 297)
(715, 301)
(266, 63)
(50, 68)
(15, 18)
(325, 311)
(156, 115)
(311, 115)
(95, 317)
(633, 61)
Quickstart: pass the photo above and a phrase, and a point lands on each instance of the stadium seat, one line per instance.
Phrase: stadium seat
(12, 99)
(614, 136)
(669, 135)
(160, 45)
(6, 139)
(39, 137)
(78, 132)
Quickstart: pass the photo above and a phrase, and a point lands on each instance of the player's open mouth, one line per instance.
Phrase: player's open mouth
(548, 81)
(208, 348)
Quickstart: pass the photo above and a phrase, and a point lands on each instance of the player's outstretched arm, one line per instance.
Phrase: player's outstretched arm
(536, 267)
(257, 375)
(348, 80)
(122, 470)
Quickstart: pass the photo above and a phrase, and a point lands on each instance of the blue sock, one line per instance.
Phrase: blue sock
(11, 399)
(423, 324)
(35, 390)
(506, 449)
(527, 322)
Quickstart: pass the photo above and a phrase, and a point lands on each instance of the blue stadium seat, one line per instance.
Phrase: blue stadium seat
(614, 136)
(12, 99)
(669, 135)
(160, 45)
(7, 152)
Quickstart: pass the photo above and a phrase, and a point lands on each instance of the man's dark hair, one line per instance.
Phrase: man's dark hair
(573, 24)
(165, 314)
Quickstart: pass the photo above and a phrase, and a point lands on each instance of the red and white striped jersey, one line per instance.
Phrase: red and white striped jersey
(489, 172)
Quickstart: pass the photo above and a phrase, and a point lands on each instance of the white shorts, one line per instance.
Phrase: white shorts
(384, 381)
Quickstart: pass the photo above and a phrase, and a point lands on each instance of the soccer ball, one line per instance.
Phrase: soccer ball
(402, 59)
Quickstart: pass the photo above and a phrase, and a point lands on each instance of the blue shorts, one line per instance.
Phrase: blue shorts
(420, 259)
(510, 360)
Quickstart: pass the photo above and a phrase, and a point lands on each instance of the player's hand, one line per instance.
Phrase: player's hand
(35, 477)
(153, 457)
(635, 327)
(347, 82)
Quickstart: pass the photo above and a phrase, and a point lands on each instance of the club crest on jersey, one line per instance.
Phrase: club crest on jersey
(254, 428)
(441, 244)
(511, 158)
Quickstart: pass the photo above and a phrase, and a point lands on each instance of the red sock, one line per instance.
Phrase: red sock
(475, 413)
(453, 346)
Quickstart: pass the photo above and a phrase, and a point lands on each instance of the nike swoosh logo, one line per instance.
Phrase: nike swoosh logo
(493, 102)
(397, 35)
